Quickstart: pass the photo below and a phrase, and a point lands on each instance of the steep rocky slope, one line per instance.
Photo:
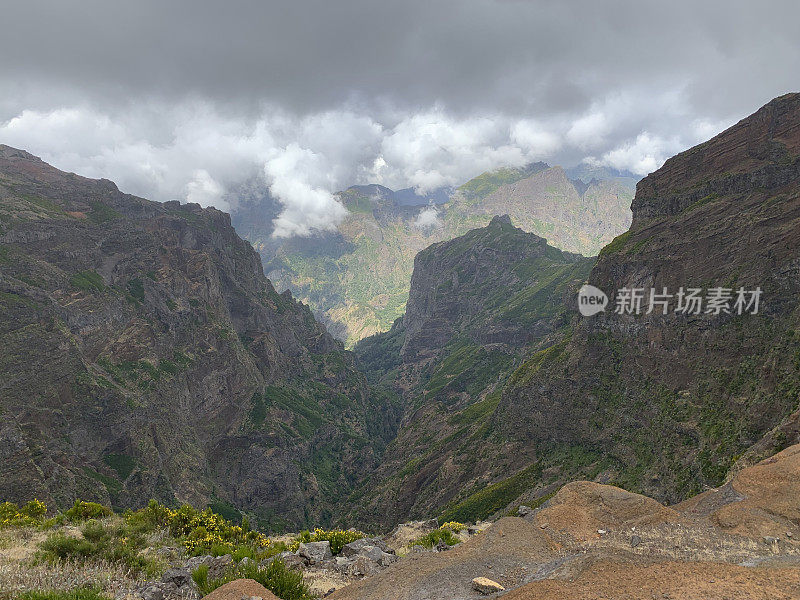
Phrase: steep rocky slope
(357, 279)
(706, 387)
(662, 404)
(593, 541)
(478, 305)
(145, 355)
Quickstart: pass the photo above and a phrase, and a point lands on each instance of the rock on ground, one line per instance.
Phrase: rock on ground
(486, 586)
(241, 588)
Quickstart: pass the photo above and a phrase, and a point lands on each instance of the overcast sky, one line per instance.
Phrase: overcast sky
(185, 99)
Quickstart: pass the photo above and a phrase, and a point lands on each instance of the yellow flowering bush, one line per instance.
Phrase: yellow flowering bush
(32, 513)
(453, 526)
(200, 532)
(83, 511)
(337, 537)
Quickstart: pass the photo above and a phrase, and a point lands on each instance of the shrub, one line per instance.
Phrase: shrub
(84, 593)
(201, 532)
(113, 543)
(82, 511)
(443, 534)
(276, 577)
(337, 537)
(453, 526)
(31, 513)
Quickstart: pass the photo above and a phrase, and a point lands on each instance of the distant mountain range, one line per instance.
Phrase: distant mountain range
(356, 279)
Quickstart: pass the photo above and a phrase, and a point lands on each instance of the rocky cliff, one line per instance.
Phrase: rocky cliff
(671, 401)
(146, 355)
(478, 305)
(662, 404)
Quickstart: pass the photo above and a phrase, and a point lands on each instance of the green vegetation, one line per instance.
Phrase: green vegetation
(337, 537)
(100, 213)
(87, 281)
(445, 533)
(82, 593)
(136, 289)
(201, 532)
(487, 501)
(121, 463)
(32, 513)
(105, 541)
(276, 577)
(616, 244)
(82, 511)
(484, 184)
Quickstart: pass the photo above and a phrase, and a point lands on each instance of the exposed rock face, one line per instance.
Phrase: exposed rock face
(671, 400)
(145, 355)
(478, 305)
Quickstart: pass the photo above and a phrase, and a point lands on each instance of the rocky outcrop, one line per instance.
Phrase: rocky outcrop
(478, 305)
(702, 387)
(600, 541)
(145, 355)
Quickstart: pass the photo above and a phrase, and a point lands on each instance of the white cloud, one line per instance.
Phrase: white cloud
(427, 218)
(204, 190)
(193, 151)
(642, 155)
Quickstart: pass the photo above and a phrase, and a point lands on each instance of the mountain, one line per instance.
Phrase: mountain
(356, 280)
(146, 355)
(662, 404)
(478, 305)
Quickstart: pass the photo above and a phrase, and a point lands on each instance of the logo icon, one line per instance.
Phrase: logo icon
(591, 300)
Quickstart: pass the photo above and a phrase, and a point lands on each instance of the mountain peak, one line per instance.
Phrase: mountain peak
(500, 221)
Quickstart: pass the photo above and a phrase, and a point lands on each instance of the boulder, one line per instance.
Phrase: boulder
(362, 566)
(241, 588)
(175, 584)
(523, 510)
(290, 559)
(315, 552)
(377, 555)
(217, 565)
(178, 577)
(486, 586)
(354, 548)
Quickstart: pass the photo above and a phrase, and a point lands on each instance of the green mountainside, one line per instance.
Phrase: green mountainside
(356, 280)
(479, 305)
(662, 404)
(145, 356)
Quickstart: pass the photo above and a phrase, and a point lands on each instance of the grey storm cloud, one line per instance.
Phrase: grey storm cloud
(188, 98)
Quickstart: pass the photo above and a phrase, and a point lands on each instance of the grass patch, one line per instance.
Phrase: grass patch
(435, 537)
(83, 593)
(276, 577)
(87, 281)
(100, 213)
(490, 499)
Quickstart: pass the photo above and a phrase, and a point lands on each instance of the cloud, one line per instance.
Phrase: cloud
(428, 218)
(189, 99)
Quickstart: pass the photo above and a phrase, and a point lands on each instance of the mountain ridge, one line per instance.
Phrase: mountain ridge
(146, 355)
(356, 279)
